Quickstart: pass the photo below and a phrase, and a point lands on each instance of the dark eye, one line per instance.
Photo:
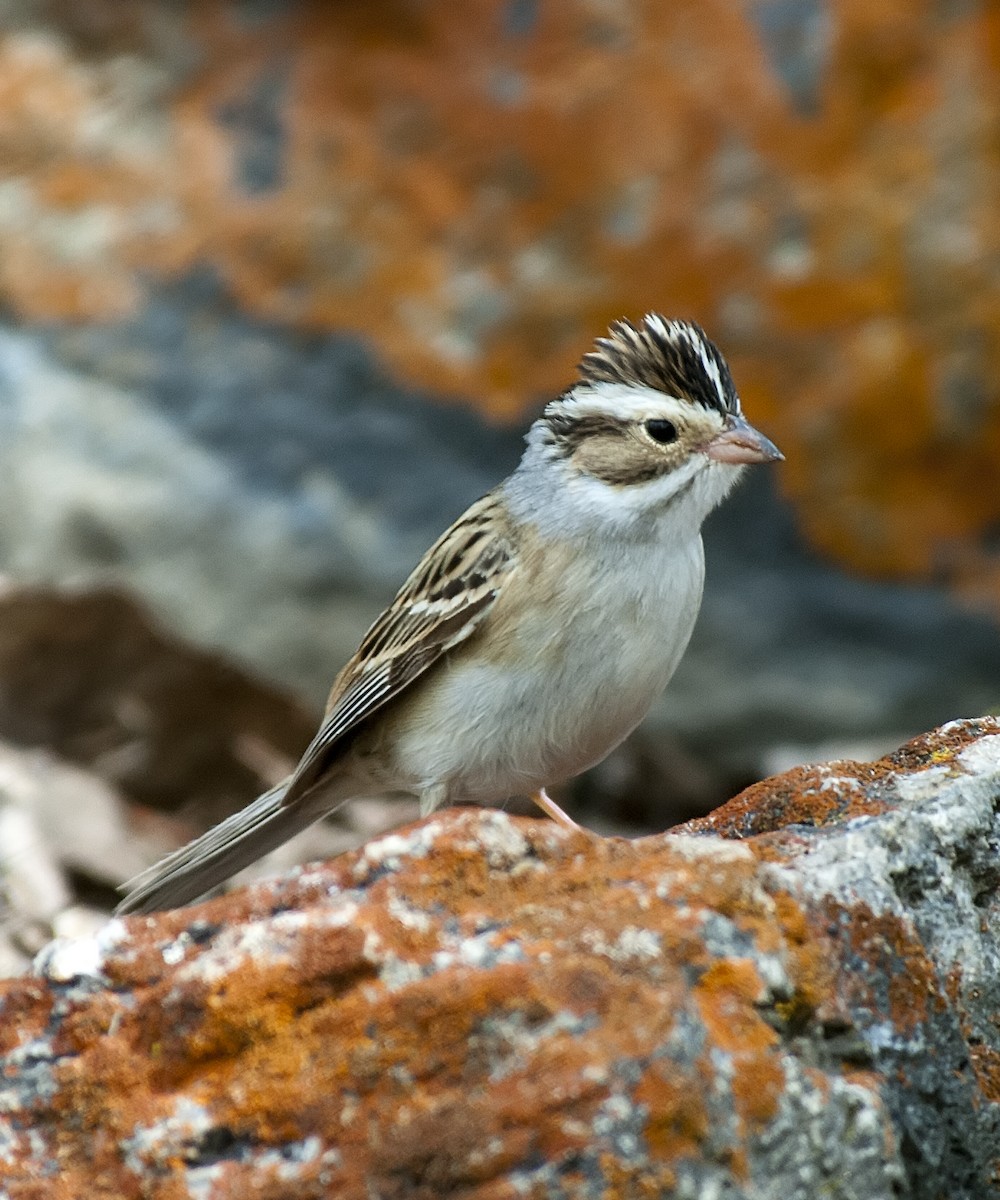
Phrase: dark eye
(663, 432)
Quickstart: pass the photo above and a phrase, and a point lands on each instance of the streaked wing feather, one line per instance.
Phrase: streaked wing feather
(442, 602)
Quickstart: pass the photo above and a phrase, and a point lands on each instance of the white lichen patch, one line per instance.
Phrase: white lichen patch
(832, 781)
(373, 950)
(982, 757)
(508, 1040)
(391, 851)
(883, 1035)
(225, 954)
(31, 1067)
(18, 1145)
(702, 850)
(843, 1119)
(921, 785)
(339, 916)
(929, 846)
(394, 971)
(11, 1146)
(202, 1182)
(846, 864)
(175, 952)
(621, 1122)
(630, 947)
(287, 1163)
(500, 840)
(482, 951)
(397, 973)
(62, 961)
(635, 945)
(408, 916)
(774, 974)
(165, 1141)
(67, 959)
(706, 859)
(231, 949)
(274, 939)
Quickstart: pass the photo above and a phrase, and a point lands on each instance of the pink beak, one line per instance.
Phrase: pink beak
(739, 442)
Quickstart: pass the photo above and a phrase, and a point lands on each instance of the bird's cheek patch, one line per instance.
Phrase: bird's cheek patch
(624, 461)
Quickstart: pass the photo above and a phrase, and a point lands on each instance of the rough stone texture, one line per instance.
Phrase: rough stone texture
(263, 494)
(794, 997)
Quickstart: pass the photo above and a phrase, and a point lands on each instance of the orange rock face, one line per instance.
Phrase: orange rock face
(489, 1007)
(816, 183)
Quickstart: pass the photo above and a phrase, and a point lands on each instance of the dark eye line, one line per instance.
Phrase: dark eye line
(572, 432)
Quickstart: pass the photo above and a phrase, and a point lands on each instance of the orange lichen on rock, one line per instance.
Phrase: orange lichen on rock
(678, 1121)
(832, 792)
(453, 1042)
(490, 1007)
(727, 995)
(818, 188)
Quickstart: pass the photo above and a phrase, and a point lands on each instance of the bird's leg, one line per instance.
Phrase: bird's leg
(551, 809)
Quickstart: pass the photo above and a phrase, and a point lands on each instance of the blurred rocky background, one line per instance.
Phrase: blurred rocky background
(281, 285)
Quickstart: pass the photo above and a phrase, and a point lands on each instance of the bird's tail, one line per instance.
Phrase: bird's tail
(225, 849)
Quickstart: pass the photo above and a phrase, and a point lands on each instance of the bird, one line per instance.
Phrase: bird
(536, 632)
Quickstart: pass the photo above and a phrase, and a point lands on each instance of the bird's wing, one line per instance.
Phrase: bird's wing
(444, 600)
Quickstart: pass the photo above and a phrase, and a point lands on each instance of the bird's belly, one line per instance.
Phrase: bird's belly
(557, 701)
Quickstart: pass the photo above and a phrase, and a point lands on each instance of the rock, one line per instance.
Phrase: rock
(87, 675)
(33, 889)
(270, 527)
(793, 997)
(57, 823)
(813, 182)
(65, 834)
(80, 818)
(163, 740)
(789, 650)
(98, 708)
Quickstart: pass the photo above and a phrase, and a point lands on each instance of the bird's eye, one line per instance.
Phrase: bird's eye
(663, 432)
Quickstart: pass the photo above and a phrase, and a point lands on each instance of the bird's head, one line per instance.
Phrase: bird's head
(652, 424)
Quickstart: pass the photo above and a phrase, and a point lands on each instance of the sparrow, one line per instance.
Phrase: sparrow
(535, 633)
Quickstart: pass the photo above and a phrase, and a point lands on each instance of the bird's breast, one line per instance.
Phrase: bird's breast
(567, 664)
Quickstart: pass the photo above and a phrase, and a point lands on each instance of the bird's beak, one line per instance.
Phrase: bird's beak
(739, 442)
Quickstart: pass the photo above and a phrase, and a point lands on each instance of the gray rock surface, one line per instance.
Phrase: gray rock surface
(55, 821)
(262, 493)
